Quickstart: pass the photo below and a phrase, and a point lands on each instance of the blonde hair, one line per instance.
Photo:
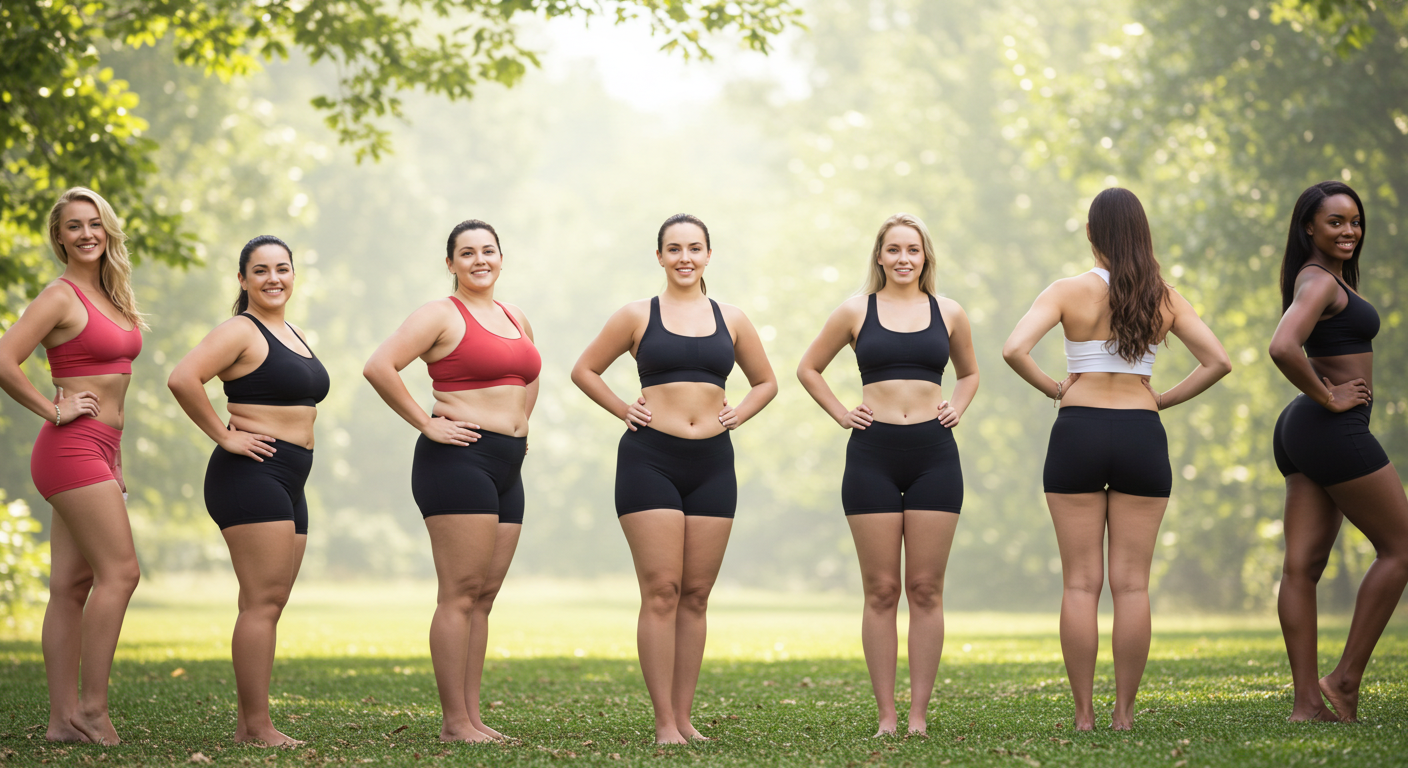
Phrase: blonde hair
(875, 278)
(115, 273)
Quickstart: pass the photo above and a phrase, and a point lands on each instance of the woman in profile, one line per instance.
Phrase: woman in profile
(466, 473)
(903, 485)
(1107, 470)
(88, 323)
(1334, 468)
(254, 481)
(675, 485)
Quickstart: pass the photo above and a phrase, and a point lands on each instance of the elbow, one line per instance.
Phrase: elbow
(1222, 366)
(371, 371)
(1011, 353)
(579, 376)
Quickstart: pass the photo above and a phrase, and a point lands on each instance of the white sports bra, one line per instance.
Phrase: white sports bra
(1094, 356)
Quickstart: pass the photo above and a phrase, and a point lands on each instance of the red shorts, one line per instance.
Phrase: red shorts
(82, 452)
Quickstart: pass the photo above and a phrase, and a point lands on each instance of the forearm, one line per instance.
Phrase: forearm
(17, 386)
(387, 382)
(1297, 370)
(190, 395)
(963, 392)
(757, 398)
(816, 386)
(1197, 382)
(1030, 372)
(594, 387)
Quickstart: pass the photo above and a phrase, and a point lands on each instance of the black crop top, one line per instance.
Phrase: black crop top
(284, 378)
(1350, 332)
(664, 357)
(886, 355)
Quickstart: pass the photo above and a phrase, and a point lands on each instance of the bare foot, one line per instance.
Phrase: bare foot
(1317, 714)
(466, 733)
(1343, 698)
(1085, 721)
(670, 735)
(490, 732)
(61, 729)
(693, 734)
(266, 737)
(885, 730)
(96, 727)
(918, 724)
(1121, 723)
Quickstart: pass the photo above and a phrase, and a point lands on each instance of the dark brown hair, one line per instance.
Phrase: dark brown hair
(461, 228)
(684, 218)
(1119, 230)
(1299, 246)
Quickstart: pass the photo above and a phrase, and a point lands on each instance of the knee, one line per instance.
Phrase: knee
(1124, 586)
(925, 594)
(660, 596)
(1088, 583)
(463, 596)
(122, 577)
(695, 599)
(485, 602)
(882, 596)
(1305, 568)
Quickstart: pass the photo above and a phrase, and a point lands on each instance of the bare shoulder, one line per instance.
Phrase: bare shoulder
(633, 310)
(853, 308)
(949, 306)
(515, 311)
(56, 295)
(733, 315)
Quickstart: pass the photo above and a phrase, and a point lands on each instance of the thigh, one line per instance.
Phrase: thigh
(1079, 519)
(448, 480)
(705, 539)
(1133, 522)
(869, 484)
(265, 556)
(67, 568)
(1139, 463)
(928, 539)
(1377, 506)
(656, 538)
(1076, 457)
(643, 480)
(512, 503)
(939, 484)
(240, 491)
(96, 519)
(879, 538)
(1311, 524)
(716, 492)
(463, 548)
(505, 544)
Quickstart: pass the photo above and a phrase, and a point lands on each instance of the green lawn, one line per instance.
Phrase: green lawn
(783, 684)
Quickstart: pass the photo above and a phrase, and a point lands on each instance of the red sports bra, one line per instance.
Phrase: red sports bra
(101, 347)
(483, 359)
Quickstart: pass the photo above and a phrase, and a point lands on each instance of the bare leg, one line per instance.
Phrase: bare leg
(878, 539)
(928, 537)
(1311, 524)
(705, 539)
(1377, 506)
(656, 538)
(504, 548)
(70, 579)
(1079, 519)
(1134, 530)
(96, 520)
(266, 558)
(463, 547)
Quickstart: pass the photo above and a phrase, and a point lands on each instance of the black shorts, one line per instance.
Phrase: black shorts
(1326, 447)
(659, 471)
(900, 467)
(240, 490)
(482, 478)
(1091, 449)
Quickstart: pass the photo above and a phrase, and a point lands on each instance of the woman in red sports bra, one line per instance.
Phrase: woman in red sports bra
(465, 477)
(88, 322)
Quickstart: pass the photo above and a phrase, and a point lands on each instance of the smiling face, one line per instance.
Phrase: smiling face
(268, 277)
(81, 232)
(902, 255)
(477, 260)
(684, 253)
(1336, 228)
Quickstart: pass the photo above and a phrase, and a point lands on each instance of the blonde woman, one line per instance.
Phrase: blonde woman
(903, 485)
(88, 322)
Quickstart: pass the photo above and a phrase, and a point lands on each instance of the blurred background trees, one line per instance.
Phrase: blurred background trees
(994, 122)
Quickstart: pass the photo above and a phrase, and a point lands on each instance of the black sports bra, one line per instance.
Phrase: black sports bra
(284, 378)
(885, 355)
(664, 357)
(1350, 332)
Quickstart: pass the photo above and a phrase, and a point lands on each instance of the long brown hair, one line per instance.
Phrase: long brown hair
(115, 270)
(875, 276)
(1119, 230)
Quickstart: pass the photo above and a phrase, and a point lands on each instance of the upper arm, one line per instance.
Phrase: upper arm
(415, 337)
(1315, 293)
(218, 351)
(47, 312)
(748, 349)
(960, 338)
(838, 332)
(616, 338)
(1193, 332)
(1040, 319)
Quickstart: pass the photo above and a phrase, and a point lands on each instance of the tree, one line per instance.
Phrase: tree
(67, 121)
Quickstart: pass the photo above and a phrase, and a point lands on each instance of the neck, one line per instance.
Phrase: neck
(269, 316)
(893, 290)
(84, 274)
(1336, 266)
(479, 298)
(683, 293)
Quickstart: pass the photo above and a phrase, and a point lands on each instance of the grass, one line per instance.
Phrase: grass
(784, 684)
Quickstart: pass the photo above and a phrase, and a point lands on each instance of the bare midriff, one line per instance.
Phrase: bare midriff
(289, 423)
(903, 401)
(1341, 368)
(111, 389)
(1119, 391)
(688, 409)
(493, 409)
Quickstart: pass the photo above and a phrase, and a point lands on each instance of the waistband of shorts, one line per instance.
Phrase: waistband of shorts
(924, 434)
(680, 446)
(294, 448)
(1302, 400)
(493, 443)
(1106, 414)
(88, 427)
